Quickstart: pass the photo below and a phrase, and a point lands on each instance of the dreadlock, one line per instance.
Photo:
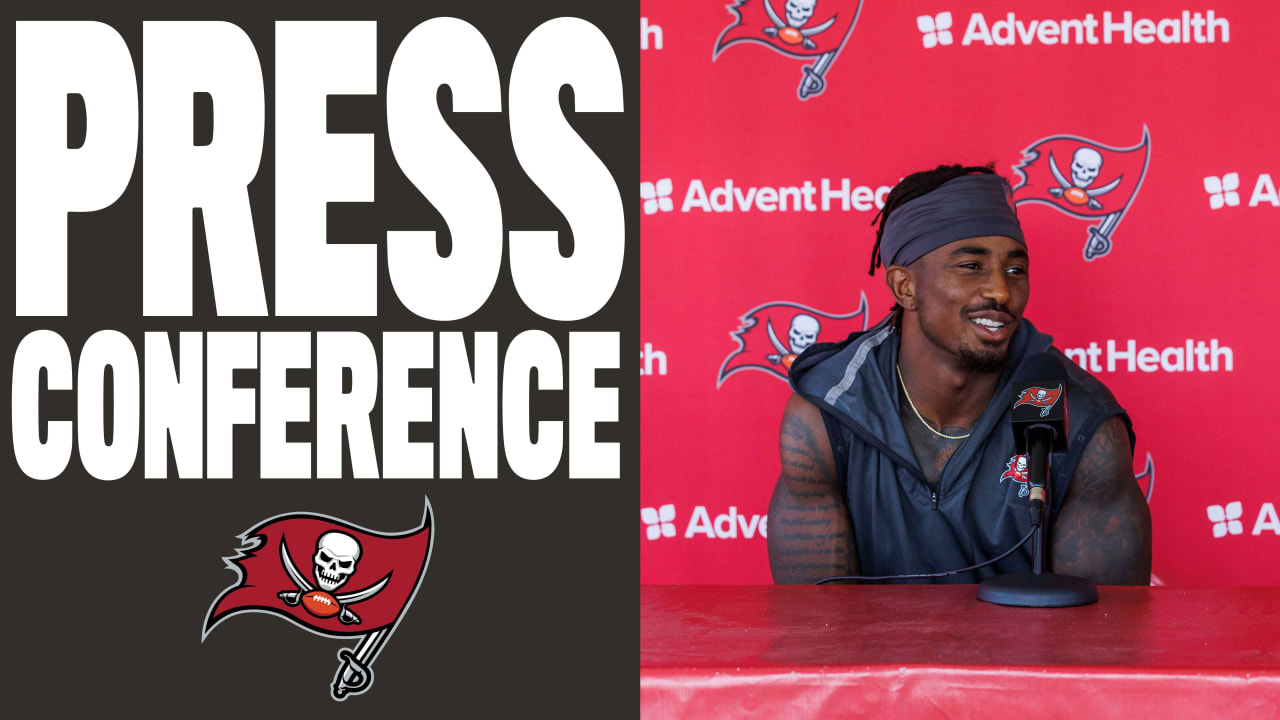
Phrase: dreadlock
(908, 189)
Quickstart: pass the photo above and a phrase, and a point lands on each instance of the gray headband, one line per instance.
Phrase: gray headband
(968, 206)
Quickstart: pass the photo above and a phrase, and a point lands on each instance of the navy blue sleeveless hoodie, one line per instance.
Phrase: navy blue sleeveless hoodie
(979, 510)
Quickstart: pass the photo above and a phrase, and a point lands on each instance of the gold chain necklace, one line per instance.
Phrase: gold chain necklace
(917, 412)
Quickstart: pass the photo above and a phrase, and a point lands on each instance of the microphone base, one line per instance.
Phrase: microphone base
(1045, 590)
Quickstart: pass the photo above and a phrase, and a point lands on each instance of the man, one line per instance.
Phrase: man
(896, 447)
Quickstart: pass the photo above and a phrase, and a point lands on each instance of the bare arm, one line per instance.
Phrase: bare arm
(810, 535)
(1103, 530)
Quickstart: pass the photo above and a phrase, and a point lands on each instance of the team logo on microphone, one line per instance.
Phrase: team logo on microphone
(1084, 179)
(800, 29)
(773, 335)
(1017, 471)
(1043, 398)
(332, 578)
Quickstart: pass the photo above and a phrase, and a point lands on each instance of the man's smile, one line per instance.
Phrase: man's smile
(992, 326)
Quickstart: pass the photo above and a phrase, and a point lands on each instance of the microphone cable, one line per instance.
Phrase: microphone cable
(1034, 527)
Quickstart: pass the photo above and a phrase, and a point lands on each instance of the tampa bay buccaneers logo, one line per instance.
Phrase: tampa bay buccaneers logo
(1043, 398)
(332, 578)
(772, 335)
(1016, 471)
(1084, 179)
(800, 29)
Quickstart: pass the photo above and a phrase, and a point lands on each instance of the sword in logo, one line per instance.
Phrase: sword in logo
(355, 673)
(1099, 242)
(777, 343)
(813, 82)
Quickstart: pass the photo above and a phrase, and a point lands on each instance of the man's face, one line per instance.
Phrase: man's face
(970, 295)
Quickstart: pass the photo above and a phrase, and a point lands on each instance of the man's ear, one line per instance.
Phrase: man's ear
(902, 285)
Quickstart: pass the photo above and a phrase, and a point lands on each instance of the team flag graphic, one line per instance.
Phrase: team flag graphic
(801, 29)
(332, 578)
(1043, 398)
(1016, 470)
(773, 335)
(1084, 179)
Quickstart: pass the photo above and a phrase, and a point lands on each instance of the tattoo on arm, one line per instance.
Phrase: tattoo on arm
(810, 534)
(1103, 530)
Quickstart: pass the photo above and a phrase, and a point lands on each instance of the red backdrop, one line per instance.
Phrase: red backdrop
(757, 203)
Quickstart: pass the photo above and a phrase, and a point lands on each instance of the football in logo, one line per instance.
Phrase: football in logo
(321, 604)
(1084, 179)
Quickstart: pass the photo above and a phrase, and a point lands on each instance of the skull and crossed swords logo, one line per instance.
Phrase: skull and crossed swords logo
(1079, 190)
(1086, 164)
(335, 562)
(268, 581)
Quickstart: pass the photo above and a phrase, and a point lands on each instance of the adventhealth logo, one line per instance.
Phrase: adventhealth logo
(1226, 519)
(660, 523)
(936, 29)
(1188, 28)
(1223, 191)
(1192, 356)
(726, 196)
(656, 196)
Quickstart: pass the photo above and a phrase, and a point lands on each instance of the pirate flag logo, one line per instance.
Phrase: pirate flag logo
(801, 29)
(1017, 471)
(1084, 179)
(332, 578)
(1043, 398)
(763, 345)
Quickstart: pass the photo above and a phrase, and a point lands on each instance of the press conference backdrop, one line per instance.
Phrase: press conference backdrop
(1143, 142)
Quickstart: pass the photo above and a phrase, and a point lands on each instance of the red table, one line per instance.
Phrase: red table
(936, 651)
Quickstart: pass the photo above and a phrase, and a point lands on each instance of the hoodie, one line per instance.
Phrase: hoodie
(980, 508)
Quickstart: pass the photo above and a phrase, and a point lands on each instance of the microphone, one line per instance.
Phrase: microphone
(1039, 424)
(1039, 427)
